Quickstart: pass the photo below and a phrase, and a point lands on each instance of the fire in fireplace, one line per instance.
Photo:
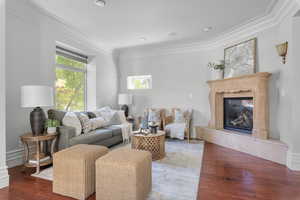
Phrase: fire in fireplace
(238, 114)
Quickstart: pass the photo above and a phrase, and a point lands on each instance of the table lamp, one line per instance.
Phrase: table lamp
(37, 96)
(124, 101)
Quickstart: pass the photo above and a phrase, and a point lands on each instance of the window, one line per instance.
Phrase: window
(139, 82)
(70, 85)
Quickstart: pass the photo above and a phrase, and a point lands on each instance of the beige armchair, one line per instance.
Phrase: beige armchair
(178, 126)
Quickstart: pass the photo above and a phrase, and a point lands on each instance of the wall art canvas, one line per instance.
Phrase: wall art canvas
(240, 59)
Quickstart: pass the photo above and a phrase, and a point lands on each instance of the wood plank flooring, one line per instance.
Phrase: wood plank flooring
(230, 175)
(225, 175)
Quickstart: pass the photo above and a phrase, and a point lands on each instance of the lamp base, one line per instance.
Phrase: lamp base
(125, 108)
(37, 121)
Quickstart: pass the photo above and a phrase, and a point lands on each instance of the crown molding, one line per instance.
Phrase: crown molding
(69, 28)
(274, 16)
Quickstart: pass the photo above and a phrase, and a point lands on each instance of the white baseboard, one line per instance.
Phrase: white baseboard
(15, 157)
(4, 177)
(293, 161)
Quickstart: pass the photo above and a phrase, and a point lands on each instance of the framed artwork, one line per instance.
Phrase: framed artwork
(240, 59)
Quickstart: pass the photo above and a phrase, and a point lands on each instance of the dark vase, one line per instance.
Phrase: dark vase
(125, 108)
(37, 121)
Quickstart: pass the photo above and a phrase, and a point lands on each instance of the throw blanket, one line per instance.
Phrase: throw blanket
(126, 131)
(176, 130)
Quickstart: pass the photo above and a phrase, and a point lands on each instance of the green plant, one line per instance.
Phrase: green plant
(217, 66)
(52, 123)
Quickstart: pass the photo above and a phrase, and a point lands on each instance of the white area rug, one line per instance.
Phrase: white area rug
(175, 177)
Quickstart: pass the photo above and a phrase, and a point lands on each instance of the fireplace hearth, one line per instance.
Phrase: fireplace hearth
(238, 114)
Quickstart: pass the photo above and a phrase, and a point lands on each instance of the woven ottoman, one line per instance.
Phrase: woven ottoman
(74, 170)
(124, 174)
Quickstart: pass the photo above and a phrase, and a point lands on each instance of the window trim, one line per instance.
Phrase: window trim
(74, 69)
(139, 76)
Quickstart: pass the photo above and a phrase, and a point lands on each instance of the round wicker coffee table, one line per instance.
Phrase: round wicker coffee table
(155, 143)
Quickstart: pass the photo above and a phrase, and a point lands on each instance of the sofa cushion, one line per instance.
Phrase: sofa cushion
(85, 122)
(92, 137)
(56, 114)
(91, 115)
(71, 119)
(116, 131)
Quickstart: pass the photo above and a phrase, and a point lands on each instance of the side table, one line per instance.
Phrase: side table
(36, 160)
(155, 143)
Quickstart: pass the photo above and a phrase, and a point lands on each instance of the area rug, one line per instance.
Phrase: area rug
(175, 177)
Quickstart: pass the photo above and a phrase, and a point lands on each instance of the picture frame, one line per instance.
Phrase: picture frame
(240, 59)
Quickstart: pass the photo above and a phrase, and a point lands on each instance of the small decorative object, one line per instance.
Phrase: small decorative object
(51, 125)
(240, 59)
(37, 96)
(282, 50)
(218, 69)
(124, 101)
(153, 127)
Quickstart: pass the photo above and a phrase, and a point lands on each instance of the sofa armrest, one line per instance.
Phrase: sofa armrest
(65, 134)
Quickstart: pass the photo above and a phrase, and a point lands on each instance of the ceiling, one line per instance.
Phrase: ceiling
(122, 23)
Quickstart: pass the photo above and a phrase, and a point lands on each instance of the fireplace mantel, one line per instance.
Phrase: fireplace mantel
(255, 86)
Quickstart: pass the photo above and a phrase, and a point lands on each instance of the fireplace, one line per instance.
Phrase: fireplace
(254, 86)
(238, 114)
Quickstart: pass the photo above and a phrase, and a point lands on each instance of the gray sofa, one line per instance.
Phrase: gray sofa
(107, 136)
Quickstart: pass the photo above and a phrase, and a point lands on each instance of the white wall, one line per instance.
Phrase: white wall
(31, 40)
(177, 75)
(296, 82)
(179, 71)
(4, 179)
(177, 80)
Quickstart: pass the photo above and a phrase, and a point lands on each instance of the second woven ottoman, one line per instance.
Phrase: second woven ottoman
(74, 170)
(124, 174)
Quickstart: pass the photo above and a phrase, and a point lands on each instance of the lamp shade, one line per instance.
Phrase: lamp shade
(36, 96)
(125, 99)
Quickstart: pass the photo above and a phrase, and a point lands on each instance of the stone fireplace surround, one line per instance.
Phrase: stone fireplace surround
(255, 86)
(258, 143)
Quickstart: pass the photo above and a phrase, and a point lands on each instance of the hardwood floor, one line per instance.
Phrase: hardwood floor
(225, 175)
(230, 175)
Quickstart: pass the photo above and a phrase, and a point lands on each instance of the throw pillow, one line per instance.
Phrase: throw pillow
(118, 118)
(85, 122)
(179, 116)
(154, 115)
(105, 112)
(91, 115)
(97, 122)
(71, 119)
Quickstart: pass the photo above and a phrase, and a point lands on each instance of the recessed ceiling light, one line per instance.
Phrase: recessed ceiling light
(172, 34)
(207, 29)
(143, 38)
(100, 3)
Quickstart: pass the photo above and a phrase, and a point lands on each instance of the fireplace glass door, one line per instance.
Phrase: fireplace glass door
(238, 114)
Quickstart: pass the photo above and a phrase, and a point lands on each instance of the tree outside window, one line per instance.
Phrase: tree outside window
(70, 84)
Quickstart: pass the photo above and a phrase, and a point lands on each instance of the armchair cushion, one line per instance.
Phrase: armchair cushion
(176, 130)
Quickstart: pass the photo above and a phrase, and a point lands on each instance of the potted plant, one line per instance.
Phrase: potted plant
(218, 69)
(51, 125)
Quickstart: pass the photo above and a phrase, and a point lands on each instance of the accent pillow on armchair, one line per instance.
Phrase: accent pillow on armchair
(179, 126)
